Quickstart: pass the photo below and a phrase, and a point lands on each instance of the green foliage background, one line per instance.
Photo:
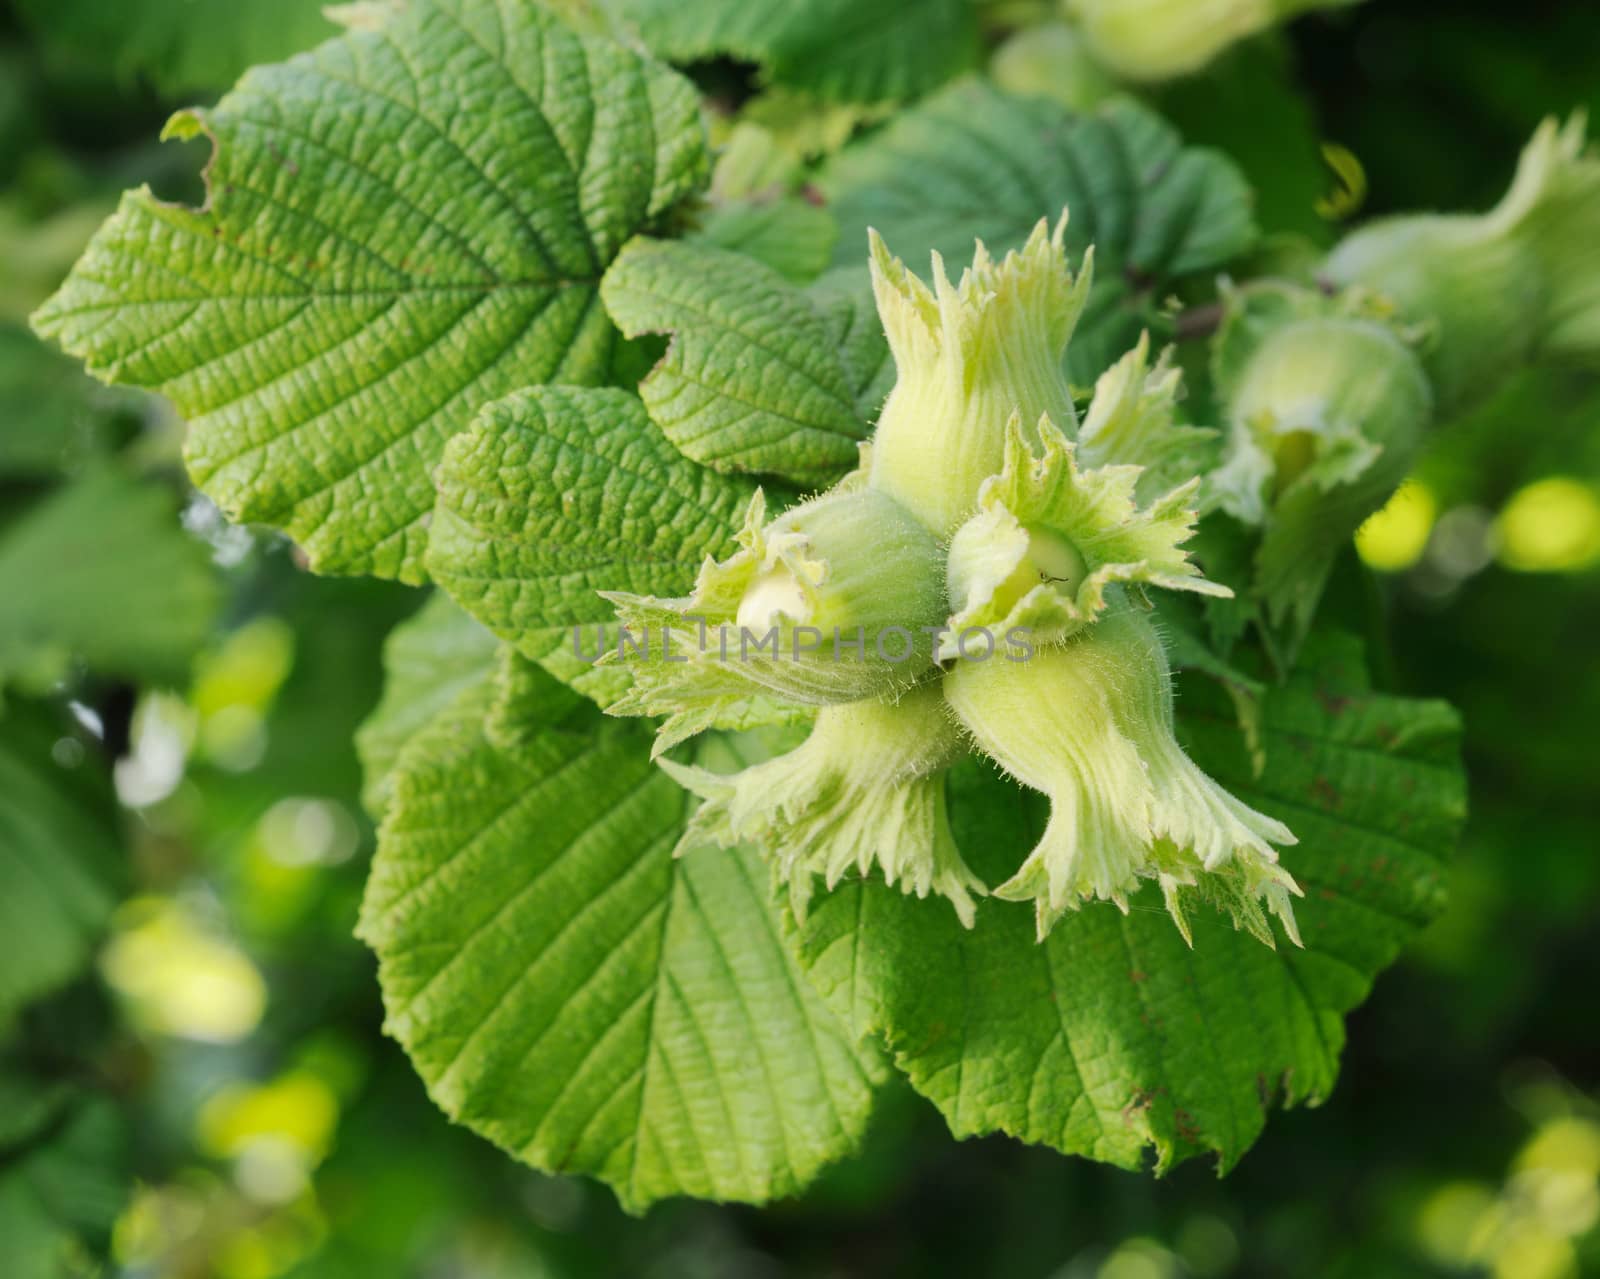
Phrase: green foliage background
(1474, 1066)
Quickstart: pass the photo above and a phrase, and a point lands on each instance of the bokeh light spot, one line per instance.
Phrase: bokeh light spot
(178, 978)
(1395, 537)
(1551, 526)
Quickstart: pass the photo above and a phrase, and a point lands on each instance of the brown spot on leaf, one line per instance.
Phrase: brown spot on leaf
(1138, 1106)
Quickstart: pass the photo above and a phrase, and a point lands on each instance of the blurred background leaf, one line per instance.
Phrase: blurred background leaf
(179, 46)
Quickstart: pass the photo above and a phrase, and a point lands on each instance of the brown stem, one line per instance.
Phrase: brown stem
(1198, 322)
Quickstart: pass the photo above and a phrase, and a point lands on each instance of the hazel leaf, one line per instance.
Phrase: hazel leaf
(750, 381)
(401, 226)
(787, 233)
(841, 50)
(181, 46)
(558, 493)
(569, 990)
(429, 660)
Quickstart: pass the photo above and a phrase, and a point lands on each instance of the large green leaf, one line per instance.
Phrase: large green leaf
(751, 380)
(101, 569)
(59, 854)
(1112, 1036)
(402, 225)
(974, 161)
(179, 45)
(571, 991)
(527, 700)
(429, 660)
(845, 50)
(558, 493)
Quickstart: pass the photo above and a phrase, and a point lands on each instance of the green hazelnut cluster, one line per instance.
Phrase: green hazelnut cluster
(980, 585)
(1330, 384)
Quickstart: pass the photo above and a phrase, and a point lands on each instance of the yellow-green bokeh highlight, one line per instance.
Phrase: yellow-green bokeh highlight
(180, 979)
(234, 688)
(1551, 526)
(1529, 1226)
(1395, 538)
